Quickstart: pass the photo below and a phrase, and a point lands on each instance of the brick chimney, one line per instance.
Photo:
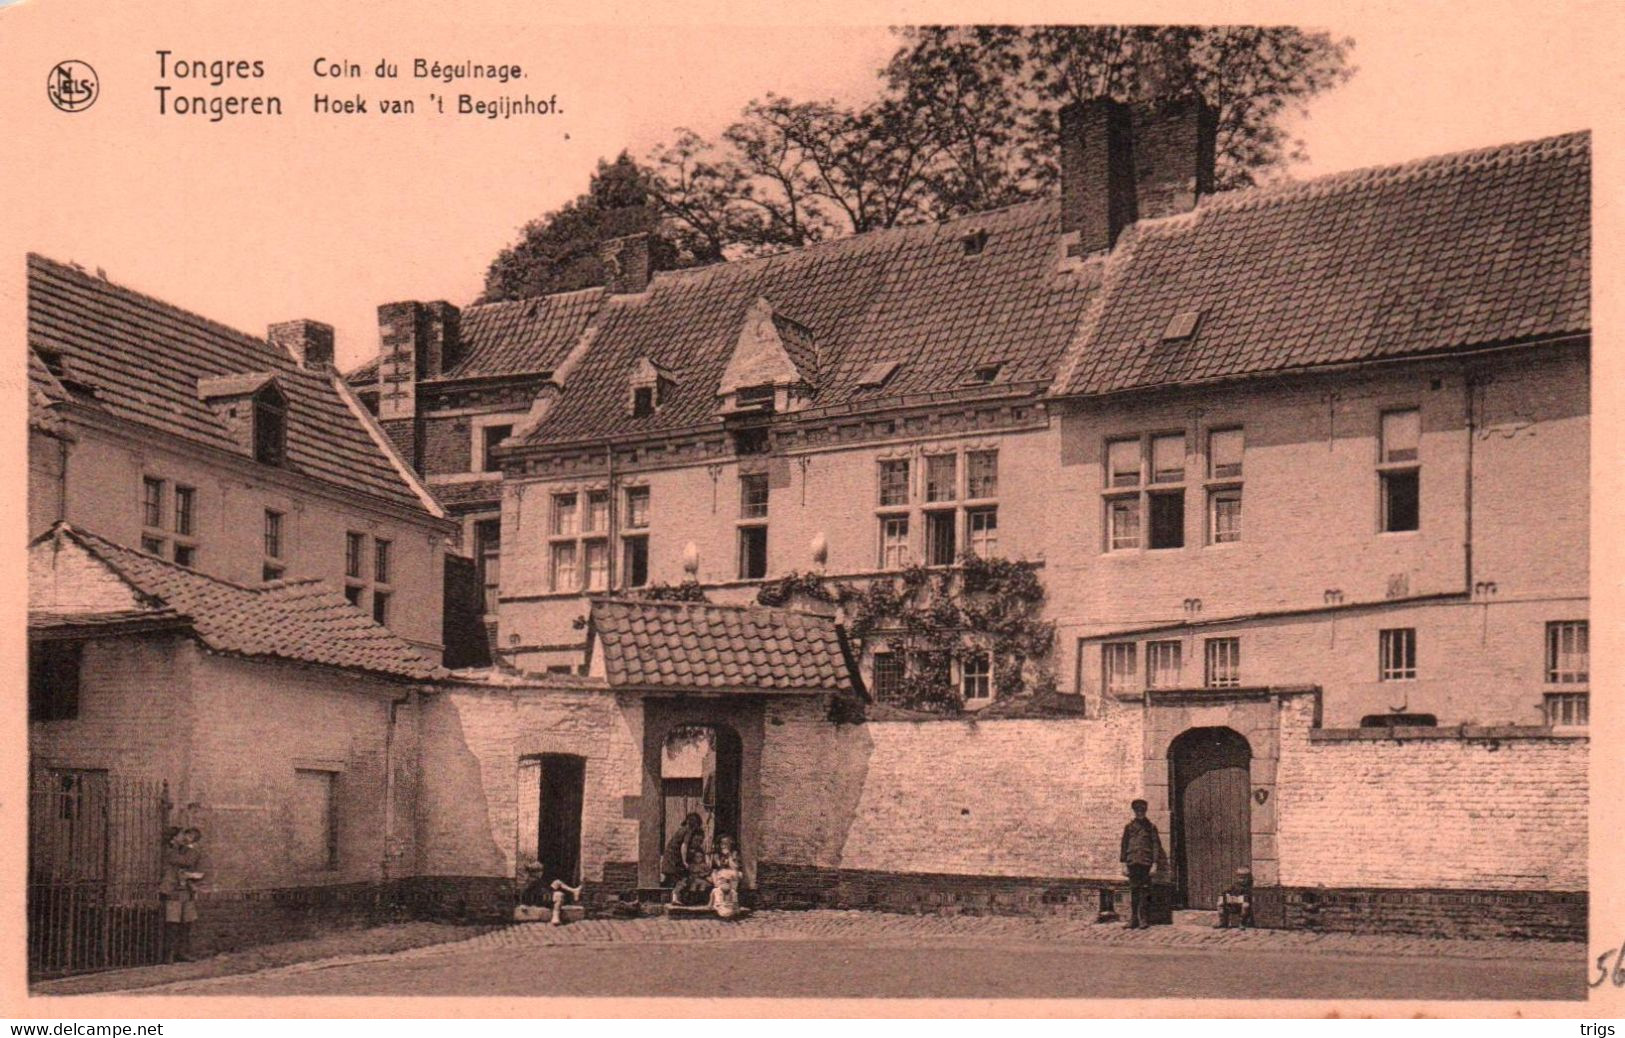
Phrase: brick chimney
(310, 343)
(1175, 152)
(1097, 173)
(628, 264)
(1120, 163)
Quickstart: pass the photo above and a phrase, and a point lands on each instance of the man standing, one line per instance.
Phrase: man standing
(1142, 851)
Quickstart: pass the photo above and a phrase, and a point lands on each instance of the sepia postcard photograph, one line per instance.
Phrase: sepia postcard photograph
(1069, 510)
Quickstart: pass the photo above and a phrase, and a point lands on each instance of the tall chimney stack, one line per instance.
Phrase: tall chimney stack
(1097, 173)
(1175, 154)
(310, 343)
(628, 263)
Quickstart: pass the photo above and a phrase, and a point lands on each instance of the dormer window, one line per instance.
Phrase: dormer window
(974, 242)
(754, 398)
(643, 401)
(650, 386)
(985, 373)
(270, 428)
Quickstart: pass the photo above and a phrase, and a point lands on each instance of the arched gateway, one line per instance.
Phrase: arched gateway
(1210, 789)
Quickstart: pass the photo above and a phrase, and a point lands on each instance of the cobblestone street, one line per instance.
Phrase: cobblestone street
(865, 954)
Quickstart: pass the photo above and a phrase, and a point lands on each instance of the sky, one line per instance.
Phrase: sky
(251, 221)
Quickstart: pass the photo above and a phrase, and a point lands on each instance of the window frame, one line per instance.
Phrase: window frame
(897, 668)
(1391, 471)
(1156, 679)
(983, 678)
(1133, 497)
(1553, 673)
(1396, 654)
(50, 662)
(1221, 662)
(488, 561)
(746, 536)
(1132, 683)
(903, 548)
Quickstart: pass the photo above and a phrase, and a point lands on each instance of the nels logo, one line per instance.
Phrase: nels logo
(72, 86)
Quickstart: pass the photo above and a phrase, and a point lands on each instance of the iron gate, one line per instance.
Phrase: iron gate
(95, 860)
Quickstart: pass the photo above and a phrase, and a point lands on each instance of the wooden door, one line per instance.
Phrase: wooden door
(1212, 812)
(558, 845)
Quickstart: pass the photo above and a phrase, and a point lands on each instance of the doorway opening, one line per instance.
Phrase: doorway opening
(1210, 789)
(553, 834)
(700, 774)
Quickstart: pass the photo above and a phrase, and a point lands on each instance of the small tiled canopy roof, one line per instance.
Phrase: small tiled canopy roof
(144, 360)
(700, 647)
(299, 620)
(1454, 252)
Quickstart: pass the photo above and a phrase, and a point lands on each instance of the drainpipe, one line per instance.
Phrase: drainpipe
(62, 481)
(1470, 386)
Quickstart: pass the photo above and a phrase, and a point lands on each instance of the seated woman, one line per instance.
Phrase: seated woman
(674, 862)
(726, 872)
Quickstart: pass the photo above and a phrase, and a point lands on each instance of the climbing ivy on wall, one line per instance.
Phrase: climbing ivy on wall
(938, 617)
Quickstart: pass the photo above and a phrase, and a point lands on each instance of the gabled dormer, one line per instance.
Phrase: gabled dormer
(774, 366)
(254, 409)
(649, 386)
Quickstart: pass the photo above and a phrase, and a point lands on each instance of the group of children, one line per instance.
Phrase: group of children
(701, 875)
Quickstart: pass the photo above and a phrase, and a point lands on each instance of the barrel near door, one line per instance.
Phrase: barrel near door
(1211, 812)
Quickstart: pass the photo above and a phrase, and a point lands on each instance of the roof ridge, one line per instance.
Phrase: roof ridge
(1362, 176)
(191, 315)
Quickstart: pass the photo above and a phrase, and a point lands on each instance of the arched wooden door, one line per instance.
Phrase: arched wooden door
(1211, 812)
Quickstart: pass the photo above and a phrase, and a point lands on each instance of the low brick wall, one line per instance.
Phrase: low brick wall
(240, 919)
(1542, 914)
(782, 885)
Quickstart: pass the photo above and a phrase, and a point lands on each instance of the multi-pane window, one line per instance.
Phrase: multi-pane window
(1162, 664)
(981, 474)
(381, 560)
(894, 553)
(894, 482)
(597, 559)
(939, 538)
(185, 511)
(488, 559)
(1224, 453)
(976, 677)
(1122, 523)
(1399, 470)
(1222, 663)
(753, 500)
(169, 532)
(1123, 463)
(380, 606)
(1118, 672)
(53, 680)
(1568, 652)
(596, 519)
(562, 567)
(563, 521)
(272, 567)
(152, 503)
(1224, 463)
(888, 675)
(1145, 505)
(1397, 654)
(635, 546)
(355, 547)
(1568, 663)
(982, 532)
(637, 508)
(753, 496)
(1224, 515)
(941, 477)
(1168, 458)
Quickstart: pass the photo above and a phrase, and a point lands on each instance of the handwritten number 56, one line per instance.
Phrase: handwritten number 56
(1618, 972)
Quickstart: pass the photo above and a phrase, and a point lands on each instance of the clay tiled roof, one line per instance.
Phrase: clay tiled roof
(302, 620)
(144, 358)
(911, 294)
(521, 337)
(44, 393)
(1458, 251)
(702, 647)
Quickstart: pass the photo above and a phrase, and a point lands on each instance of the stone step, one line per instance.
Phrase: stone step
(1195, 917)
